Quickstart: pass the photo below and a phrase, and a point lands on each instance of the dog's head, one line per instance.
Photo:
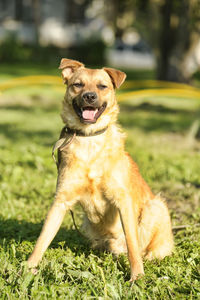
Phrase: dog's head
(90, 97)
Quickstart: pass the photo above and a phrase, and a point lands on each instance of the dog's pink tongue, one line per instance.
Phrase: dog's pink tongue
(89, 114)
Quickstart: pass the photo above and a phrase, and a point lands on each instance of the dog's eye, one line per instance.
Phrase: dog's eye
(101, 86)
(78, 84)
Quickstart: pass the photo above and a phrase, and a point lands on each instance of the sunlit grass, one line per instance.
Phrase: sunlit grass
(157, 138)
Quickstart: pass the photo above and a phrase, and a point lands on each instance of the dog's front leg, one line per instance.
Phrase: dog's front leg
(129, 223)
(50, 228)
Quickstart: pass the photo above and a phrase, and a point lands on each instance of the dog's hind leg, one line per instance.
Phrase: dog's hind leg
(155, 233)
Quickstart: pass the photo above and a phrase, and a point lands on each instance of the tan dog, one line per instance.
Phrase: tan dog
(121, 211)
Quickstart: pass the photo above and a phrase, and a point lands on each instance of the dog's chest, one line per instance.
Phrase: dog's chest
(87, 158)
(93, 200)
(89, 155)
(94, 205)
(87, 150)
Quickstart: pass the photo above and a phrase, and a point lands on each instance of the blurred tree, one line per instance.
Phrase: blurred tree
(118, 17)
(75, 10)
(18, 10)
(178, 36)
(172, 28)
(36, 17)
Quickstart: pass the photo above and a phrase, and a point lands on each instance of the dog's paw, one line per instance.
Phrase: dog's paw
(136, 276)
(32, 266)
(34, 271)
(137, 272)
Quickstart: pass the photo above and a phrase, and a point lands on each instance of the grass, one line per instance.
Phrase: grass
(159, 141)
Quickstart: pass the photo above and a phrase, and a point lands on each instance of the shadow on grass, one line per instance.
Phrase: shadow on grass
(157, 118)
(146, 106)
(25, 69)
(34, 109)
(15, 135)
(13, 229)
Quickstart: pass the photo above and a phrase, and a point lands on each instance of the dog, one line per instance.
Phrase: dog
(121, 212)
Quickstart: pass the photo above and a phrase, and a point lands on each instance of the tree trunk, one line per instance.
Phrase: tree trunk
(166, 41)
(177, 41)
(36, 17)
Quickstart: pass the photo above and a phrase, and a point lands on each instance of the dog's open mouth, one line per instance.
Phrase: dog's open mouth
(89, 114)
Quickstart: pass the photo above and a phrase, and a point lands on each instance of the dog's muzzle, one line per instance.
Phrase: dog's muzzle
(90, 109)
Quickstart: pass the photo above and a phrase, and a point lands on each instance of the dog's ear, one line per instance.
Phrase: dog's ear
(68, 67)
(116, 76)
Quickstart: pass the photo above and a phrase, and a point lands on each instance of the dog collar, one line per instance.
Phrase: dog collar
(63, 142)
(81, 133)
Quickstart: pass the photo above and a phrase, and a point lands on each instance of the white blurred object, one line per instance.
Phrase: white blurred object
(137, 56)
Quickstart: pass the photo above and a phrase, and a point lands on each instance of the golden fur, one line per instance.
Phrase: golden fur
(121, 212)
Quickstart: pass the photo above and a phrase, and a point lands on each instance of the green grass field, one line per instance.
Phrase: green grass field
(160, 140)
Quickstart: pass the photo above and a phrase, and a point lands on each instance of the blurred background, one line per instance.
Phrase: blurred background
(159, 36)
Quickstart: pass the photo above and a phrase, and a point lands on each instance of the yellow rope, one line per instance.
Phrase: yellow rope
(182, 93)
(129, 84)
(31, 80)
(154, 87)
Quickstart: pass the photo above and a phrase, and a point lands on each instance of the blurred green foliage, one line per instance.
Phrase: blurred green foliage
(90, 52)
(14, 51)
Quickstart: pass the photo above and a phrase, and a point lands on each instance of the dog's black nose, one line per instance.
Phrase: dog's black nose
(90, 97)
